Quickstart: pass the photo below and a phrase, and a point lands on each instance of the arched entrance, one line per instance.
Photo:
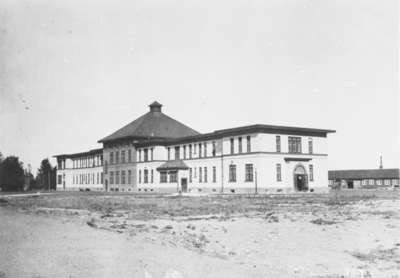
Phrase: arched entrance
(300, 178)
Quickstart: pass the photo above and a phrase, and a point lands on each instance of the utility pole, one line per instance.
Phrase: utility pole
(255, 173)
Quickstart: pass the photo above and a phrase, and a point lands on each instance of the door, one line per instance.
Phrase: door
(184, 184)
(300, 178)
(301, 182)
(350, 185)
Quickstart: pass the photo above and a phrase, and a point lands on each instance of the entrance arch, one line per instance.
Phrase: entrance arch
(300, 178)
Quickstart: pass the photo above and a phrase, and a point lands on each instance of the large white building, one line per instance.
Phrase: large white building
(156, 153)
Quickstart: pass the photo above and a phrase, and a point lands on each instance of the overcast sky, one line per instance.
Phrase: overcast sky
(72, 72)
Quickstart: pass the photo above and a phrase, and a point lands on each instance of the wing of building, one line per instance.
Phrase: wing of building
(156, 153)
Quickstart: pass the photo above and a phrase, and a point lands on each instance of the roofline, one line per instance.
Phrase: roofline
(218, 134)
(90, 152)
(362, 170)
(365, 173)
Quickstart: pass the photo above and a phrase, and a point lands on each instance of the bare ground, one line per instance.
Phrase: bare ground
(103, 235)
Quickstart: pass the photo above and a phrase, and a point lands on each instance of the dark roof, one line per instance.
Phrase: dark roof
(364, 174)
(153, 124)
(87, 153)
(258, 128)
(173, 165)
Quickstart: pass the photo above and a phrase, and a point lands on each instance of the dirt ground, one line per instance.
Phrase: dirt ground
(111, 235)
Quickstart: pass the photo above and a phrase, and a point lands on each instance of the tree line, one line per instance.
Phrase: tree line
(14, 177)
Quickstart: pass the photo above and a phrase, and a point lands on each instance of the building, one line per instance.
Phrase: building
(356, 179)
(80, 171)
(156, 153)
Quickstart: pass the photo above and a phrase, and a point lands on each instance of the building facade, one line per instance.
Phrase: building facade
(364, 179)
(80, 171)
(156, 153)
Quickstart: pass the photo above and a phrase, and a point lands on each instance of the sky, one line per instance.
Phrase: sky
(72, 72)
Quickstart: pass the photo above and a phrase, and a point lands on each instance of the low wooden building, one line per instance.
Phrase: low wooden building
(374, 178)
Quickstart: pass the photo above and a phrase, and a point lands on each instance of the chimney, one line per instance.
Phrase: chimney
(381, 163)
(155, 107)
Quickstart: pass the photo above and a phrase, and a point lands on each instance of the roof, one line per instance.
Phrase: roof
(365, 174)
(87, 153)
(173, 165)
(153, 124)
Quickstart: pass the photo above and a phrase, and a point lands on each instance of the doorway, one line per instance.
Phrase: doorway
(350, 185)
(184, 184)
(300, 178)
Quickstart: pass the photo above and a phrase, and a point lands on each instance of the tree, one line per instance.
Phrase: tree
(1, 160)
(46, 176)
(12, 174)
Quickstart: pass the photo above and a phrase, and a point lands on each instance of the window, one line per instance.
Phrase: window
(278, 172)
(129, 156)
(105, 167)
(177, 153)
(98, 178)
(195, 172)
(123, 177)
(200, 174)
(140, 155)
(205, 149)
(116, 177)
(123, 156)
(364, 182)
(101, 178)
(146, 176)
(111, 177)
(173, 177)
(117, 157)
(249, 172)
(163, 177)
(194, 149)
(205, 174)
(190, 151)
(311, 168)
(278, 144)
(214, 177)
(199, 149)
(140, 176)
(129, 176)
(184, 152)
(310, 146)
(232, 146)
(387, 182)
(214, 148)
(59, 179)
(169, 153)
(378, 182)
(152, 154)
(248, 144)
(232, 173)
(152, 176)
(190, 174)
(146, 155)
(294, 144)
(111, 158)
(240, 144)
(371, 182)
